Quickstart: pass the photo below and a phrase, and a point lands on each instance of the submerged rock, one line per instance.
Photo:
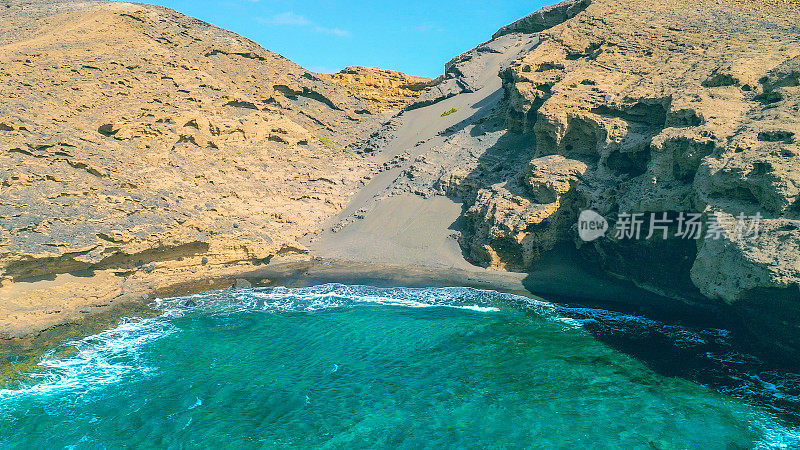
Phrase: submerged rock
(242, 284)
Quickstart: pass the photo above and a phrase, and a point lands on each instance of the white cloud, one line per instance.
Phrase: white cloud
(291, 19)
(287, 18)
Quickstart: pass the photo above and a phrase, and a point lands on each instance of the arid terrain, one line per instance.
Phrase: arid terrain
(141, 150)
(617, 107)
(138, 142)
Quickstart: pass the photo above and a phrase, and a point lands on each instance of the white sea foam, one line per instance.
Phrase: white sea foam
(109, 357)
(480, 308)
(102, 359)
(337, 296)
(114, 355)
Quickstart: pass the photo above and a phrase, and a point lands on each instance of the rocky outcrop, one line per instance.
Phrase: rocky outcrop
(514, 222)
(545, 18)
(655, 107)
(382, 90)
(136, 140)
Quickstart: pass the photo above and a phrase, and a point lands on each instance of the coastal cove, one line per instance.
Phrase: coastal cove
(560, 281)
(477, 176)
(584, 233)
(674, 344)
(305, 357)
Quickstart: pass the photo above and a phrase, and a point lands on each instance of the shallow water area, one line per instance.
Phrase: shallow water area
(356, 366)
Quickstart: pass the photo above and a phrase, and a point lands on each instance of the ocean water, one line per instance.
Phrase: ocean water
(337, 366)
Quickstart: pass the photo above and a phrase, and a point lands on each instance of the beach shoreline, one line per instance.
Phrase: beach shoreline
(555, 283)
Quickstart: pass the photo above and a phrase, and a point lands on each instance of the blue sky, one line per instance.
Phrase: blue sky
(416, 37)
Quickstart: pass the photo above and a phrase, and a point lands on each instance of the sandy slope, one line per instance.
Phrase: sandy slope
(393, 226)
(399, 229)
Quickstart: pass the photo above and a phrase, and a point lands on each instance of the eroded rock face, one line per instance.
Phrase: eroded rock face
(514, 222)
(133, 136)
(670, 108)
(382, 90)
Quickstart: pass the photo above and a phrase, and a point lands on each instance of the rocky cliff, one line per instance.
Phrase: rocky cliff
(638, 111)
(665, 108)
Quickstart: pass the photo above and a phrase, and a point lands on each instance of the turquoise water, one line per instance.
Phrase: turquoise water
(346, 366)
